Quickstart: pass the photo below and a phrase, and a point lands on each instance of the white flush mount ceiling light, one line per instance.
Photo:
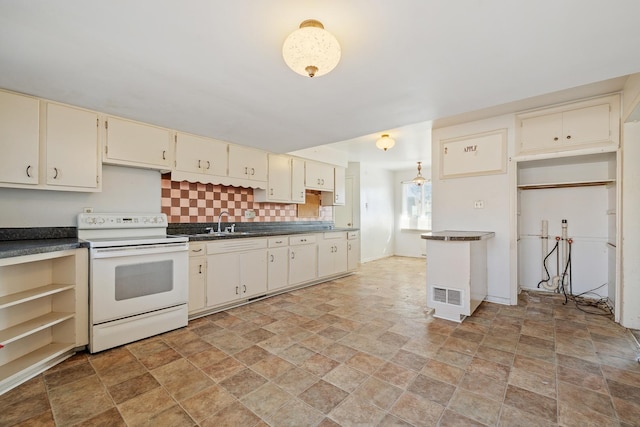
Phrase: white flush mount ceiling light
(311, 50)
(385, 142)
(419, 179)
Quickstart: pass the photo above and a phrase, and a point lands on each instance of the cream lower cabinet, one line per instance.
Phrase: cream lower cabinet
(236, 269)
(278, 263)
(43, 312)
(197, 277)
(303, 258)
(353, 250)
(332, 254)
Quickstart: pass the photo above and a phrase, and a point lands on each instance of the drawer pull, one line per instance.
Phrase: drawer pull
(196, 250)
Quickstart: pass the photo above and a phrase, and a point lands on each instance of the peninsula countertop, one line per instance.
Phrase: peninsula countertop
(457, 235)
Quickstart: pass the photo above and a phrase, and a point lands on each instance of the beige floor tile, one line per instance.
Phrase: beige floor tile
(357, 351)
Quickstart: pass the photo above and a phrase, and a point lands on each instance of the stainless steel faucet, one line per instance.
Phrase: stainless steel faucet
(220, 219)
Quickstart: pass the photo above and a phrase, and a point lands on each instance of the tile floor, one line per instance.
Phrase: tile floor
(358, 351)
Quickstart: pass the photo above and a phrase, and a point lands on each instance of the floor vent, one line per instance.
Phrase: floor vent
(447, 296)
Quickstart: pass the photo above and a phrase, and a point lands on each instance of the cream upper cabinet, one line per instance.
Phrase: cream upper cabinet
(200, 155)
(19, 117)
(279, 181)
(136, 144)
(297, 181)
(590, 123)
(247, 163)
(319, 176)
(72, 147)
(336, 196)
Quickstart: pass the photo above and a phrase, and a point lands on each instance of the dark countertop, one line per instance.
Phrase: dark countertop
(13, 248)
(458, 236)
(35, 240)
(197, 232)
(260, 233)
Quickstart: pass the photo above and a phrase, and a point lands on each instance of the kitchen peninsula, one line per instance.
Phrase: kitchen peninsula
(456, 272)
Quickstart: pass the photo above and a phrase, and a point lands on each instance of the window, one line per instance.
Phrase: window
(416, 206)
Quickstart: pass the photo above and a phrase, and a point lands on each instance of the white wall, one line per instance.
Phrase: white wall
(123, 190)
(453, 206)
(376, 213)
(407, 242)
(630, 263)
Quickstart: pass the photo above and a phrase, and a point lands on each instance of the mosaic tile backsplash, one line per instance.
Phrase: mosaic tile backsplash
(194, 202)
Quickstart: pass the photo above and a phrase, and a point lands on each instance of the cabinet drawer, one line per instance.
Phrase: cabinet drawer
(335, 235)
(303, 239)
(276, 242)
(235, 245)
(352, 235)
(196, 249)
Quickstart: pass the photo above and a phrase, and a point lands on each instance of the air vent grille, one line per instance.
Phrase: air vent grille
(447, 296)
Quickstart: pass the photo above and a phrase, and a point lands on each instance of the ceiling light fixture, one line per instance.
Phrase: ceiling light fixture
(419, 179)
(311, 50)
(385, 142)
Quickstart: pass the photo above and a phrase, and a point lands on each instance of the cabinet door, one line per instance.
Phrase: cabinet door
(587, 125)
(197, 284)
(339, 186)
(201, 155)
(71, 137)
(253, 273)
(247, 163)
(297, 181)
(353, 254)
(302, 263)
(541, 132)
(277, 266)
(19, 116)
(137, 144)
(223, 278)
(340, 255)
(279, 188)
(325, 258)
(319, 176)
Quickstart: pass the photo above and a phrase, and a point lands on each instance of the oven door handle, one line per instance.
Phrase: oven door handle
(124, 251)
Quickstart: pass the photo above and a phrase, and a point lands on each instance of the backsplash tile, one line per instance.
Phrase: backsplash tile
(189, 202)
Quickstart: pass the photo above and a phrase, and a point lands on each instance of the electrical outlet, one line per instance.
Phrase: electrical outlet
(87, 210)
(478, 204)
(249, 214)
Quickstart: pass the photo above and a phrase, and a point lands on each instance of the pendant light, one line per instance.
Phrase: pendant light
(385, 142)
(311, 50)
(419, 179)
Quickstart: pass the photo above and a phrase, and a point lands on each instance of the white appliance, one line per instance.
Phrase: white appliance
(138, 277)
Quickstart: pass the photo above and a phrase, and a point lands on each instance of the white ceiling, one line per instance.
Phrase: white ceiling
(214, 67)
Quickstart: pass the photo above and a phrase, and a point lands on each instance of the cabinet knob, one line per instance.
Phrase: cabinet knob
(271, 192)
(208, 164)
(200, 269)
(253, 171)
(164, 154)
(293, 255)
(29, 171)
(555, 138)
(244, 289)
(568, 136)
(199, 164)
(237, 288)
(55, 176)
(271, 258)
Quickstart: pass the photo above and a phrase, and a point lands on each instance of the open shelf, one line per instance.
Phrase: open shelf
(22, 366)
(31, 294)
(566, 184)
(32, 326)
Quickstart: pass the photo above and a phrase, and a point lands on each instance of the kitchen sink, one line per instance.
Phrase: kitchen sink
(224, 234)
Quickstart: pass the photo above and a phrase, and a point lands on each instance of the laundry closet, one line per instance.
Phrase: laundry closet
(567, 170)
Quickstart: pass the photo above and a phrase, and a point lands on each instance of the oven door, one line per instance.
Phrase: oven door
(130, 280)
